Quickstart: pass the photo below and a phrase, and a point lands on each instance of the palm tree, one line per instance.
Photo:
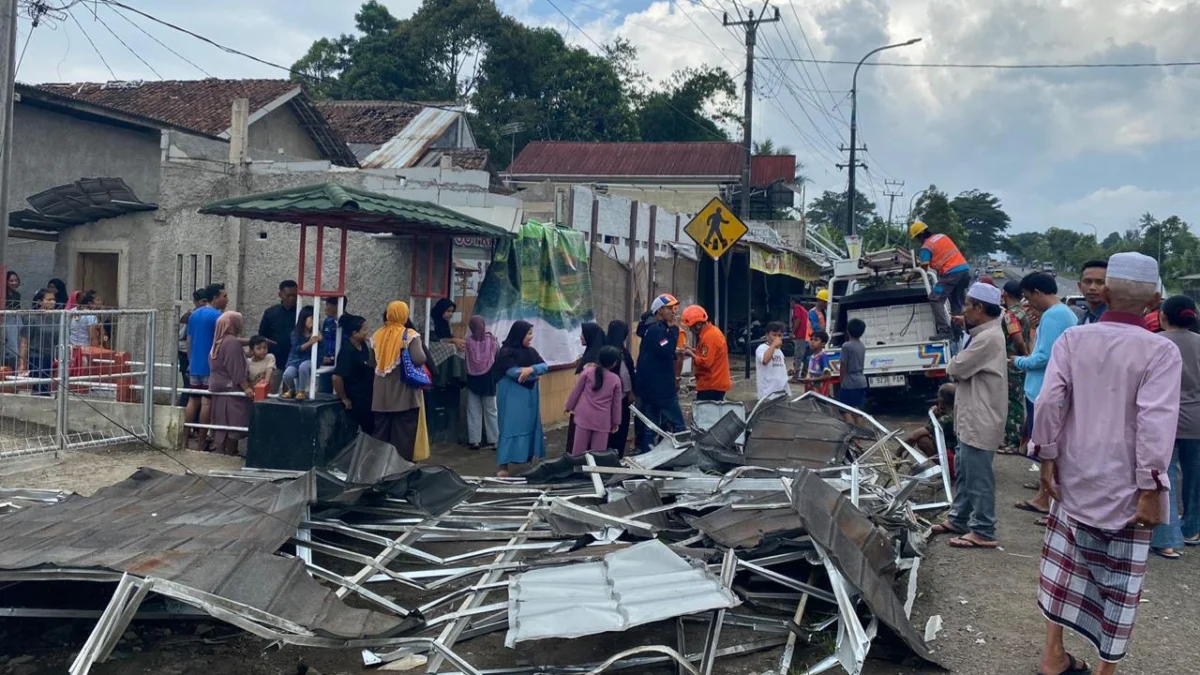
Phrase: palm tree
(767, 147)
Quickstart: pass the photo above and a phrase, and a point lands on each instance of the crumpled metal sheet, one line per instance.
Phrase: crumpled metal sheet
(566, 467)
(373, 466)
(747, 529)
(643, 498)
(862, 552)
(798, 433)
(641, 584)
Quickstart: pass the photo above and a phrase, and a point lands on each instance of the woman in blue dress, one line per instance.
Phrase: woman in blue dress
(517, 369)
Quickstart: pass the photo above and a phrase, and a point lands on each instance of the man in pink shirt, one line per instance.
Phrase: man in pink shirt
(1104, 429)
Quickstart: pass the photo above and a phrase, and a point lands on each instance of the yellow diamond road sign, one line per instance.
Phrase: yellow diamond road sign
(715, 229)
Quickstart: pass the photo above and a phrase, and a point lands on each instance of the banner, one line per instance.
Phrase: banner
(541, 277)
(782, 262)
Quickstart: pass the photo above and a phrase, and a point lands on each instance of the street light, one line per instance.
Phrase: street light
(854, 128)
(1094, 231)
(912, 202)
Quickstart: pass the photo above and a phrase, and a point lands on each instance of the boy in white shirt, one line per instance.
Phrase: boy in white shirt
(772, 372)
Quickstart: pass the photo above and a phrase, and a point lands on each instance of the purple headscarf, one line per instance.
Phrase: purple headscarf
(481, 348)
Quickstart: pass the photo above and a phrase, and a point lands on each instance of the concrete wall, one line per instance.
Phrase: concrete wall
(280, 135)
(33, 260)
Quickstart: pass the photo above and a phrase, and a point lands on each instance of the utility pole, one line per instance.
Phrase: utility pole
(751, 25)
(891, 189)
(8, 73)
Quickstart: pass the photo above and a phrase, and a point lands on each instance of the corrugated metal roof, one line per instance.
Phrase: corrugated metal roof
(768, 169)
(407, 146)
(665, 160)
(374, 122)
(800, 433)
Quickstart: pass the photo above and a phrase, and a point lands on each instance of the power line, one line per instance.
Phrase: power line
(160, 43)
(126, 45)
(93, 44)
(1002, 66)
(649, 27)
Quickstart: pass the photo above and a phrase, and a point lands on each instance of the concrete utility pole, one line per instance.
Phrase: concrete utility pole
(751, 24)
(891, 190)
(8, 73)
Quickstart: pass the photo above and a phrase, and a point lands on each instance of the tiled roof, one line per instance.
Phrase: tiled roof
(468, 158)
(198, 105)
(549, 158)
(766, 170)
(368, 121)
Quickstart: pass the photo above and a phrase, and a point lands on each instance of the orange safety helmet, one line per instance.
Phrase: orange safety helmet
(693, 315)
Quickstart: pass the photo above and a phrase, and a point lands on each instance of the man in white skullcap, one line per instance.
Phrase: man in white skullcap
(1103, 429)
(980, 408)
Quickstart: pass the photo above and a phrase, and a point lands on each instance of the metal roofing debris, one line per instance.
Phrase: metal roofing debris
(369, 122)
(409, 143)
(335, 205)
(712, 161)
(85, 201)
(639, 585)
(798, 433)
(747, 528)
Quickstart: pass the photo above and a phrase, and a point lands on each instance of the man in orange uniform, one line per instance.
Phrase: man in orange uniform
(940, 254)
(710, 358)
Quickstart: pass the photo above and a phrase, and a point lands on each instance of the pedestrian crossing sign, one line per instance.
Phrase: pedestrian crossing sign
(715, 229)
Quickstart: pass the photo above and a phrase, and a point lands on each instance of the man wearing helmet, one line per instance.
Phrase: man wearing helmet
(658, 396)
(710, 358)
(816, 315)
(939, 253)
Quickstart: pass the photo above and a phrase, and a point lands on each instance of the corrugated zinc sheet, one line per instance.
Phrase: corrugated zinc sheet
(797, 433)
(410, 143)
(214, 535)
(768, 169)
(352, 208)
(550, 158)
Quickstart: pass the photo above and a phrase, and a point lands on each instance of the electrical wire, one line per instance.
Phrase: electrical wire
(649, 27)
(126, 45)
(131, 22)
(93, 44)
(1003, 66)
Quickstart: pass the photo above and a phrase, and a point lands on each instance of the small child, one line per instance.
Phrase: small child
(853, 388)
(771, 366)
(820, 366)
(329, 326)
(261, 362)
(924, 438)
(299, 366)
(596, 403)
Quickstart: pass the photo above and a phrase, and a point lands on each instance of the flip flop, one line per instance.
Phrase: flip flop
(1009, 451)
(1074, 667)
(1031, 485)
(1162, 553)
(963, 542)
(1028, 506)
(1044, 521)
(1194, 541)
(945, 528)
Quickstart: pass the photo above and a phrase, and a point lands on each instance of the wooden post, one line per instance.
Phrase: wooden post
(631, 313)
(652, 252)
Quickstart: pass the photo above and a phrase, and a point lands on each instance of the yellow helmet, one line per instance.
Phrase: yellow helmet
(823, 295)
(916, 228)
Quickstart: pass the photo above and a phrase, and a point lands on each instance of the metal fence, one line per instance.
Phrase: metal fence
(75, 379)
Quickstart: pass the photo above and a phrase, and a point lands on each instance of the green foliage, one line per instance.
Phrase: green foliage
(676, 112)
(933, 208)
(830, 209)
(983, 218)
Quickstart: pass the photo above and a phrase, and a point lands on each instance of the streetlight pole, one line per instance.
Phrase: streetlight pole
(912, 203)
(854, 128)
(1095, 231)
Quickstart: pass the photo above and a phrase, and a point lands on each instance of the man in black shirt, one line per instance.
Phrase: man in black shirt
(277, 325)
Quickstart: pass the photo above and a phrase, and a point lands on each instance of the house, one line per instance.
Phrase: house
(397, 135)
(680, 177)
(108, 179)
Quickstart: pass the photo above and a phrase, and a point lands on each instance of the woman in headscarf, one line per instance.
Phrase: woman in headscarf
(516, 371)
(441, 314)
(399, 409)
(481, 348)
(592, 337)
(229, 372)
(618, 336)
(60, 292)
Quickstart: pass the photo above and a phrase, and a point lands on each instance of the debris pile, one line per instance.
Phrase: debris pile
(785, 529)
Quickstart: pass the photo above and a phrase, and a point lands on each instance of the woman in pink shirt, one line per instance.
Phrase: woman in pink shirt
(595, 403)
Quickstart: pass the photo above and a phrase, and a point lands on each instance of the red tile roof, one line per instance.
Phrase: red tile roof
(765, 170)
(550, 158)
(198, 105)
(368, 121)
(467, 158)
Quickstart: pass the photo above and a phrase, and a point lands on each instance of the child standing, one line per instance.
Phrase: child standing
(853, 389)
(329, 326)
(262, 361)
(596, 403)
(299, 366)
(820, 366)
(771, 367)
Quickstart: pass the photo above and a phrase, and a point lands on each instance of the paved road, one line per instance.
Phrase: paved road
(1066, 285)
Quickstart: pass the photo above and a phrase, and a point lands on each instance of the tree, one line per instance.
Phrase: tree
(677, 110)
(830, 209)
(983, 219)
(933, 208)
(768, 147)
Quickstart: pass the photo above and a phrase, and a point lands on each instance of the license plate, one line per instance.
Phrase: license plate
(882, 381)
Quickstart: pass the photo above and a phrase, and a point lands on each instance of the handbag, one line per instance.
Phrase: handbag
(411, 374)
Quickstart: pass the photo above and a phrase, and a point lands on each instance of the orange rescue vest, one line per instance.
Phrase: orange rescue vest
(945, 256)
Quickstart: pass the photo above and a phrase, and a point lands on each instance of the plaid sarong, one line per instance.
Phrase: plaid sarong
(1091, 580)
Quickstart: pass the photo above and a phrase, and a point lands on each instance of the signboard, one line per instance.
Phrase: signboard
(716, 229)
(782, 262)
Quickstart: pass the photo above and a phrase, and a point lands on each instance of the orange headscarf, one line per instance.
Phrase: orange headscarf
(229, 323)
(392, 338)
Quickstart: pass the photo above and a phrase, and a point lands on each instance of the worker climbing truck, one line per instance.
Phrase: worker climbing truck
(890, 293)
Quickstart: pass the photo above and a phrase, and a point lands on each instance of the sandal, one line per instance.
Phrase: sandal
(287, 395)
(1006, 450)
(1044, 521)
(1074, 667)
(945, 527)
(1032, 485)
(1166, 553)
(1031, 507)
(964, 542)
(1192, 541)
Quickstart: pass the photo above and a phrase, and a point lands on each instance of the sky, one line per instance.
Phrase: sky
(1074, 148)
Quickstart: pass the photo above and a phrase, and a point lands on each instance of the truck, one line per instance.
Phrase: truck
(890, 293)
(1048, 268)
